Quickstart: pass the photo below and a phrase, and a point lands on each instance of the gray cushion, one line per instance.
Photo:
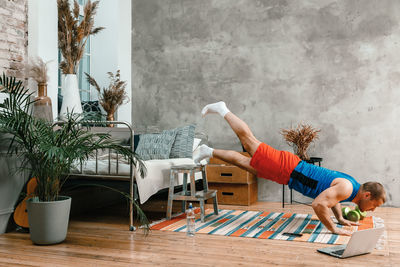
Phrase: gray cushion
(156, 146)
(183, 145)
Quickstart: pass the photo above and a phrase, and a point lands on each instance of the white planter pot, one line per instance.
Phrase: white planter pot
(3, 96)
(71, 99)
(11, 184)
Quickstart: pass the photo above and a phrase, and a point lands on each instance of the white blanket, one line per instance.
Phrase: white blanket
(157, 176)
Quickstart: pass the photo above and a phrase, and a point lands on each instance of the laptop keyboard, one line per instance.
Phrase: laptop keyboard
(338, 252)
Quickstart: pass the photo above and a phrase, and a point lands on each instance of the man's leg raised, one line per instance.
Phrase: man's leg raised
(229, 156)
(241, 129)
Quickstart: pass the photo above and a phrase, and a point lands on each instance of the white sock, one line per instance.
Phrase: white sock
(203, 152)
(219, 107)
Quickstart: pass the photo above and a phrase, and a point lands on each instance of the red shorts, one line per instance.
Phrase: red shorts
(274, 165)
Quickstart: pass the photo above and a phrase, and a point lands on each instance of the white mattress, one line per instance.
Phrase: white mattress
(157, 177)
(89, 167)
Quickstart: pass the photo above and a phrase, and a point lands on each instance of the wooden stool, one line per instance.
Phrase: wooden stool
(193, 195)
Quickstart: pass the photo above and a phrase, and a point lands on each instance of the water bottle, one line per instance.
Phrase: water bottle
(190, 221)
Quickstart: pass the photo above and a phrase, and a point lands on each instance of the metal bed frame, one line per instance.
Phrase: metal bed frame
(134, 195)
(112, 176)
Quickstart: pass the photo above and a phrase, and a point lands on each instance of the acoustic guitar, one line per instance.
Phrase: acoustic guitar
(21, 213)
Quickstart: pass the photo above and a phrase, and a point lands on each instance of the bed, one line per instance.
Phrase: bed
(107, 165)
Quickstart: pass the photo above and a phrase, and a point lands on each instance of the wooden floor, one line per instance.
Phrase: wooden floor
(103, 240)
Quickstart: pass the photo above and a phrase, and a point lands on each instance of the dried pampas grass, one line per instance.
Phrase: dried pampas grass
(72, 34)
(300, 138)
(37, 70)
(111, 97)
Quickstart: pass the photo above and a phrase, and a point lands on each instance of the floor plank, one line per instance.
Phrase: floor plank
(102, 239)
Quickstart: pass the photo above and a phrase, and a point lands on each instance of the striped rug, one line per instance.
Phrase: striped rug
(261, 224)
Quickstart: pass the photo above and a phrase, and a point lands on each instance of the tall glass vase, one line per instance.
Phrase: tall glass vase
(110, 117)
(71, 102)
(42, 107)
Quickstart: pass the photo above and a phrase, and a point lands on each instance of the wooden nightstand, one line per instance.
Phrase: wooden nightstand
(234, 185)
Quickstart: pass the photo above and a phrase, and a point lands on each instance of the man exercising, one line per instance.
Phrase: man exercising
(327, 187)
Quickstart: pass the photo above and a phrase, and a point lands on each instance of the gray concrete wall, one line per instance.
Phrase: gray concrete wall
(333, 64)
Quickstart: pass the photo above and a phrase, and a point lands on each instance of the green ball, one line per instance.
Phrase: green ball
(345, 211)
(353, 215)
(363, 214)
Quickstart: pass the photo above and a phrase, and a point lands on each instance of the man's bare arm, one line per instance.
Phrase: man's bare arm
(328, 199)
(337, 211)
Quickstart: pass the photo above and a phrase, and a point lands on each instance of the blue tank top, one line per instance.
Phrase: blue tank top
(311, 180)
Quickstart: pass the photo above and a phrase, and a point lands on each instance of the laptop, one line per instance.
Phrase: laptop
(361, 242)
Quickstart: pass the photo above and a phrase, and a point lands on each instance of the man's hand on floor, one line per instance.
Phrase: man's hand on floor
(345, 222)
(341, 231)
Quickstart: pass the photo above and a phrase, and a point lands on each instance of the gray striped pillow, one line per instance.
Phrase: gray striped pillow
(156, 146)
(183, 145)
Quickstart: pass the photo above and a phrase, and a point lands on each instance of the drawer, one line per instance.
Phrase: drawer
(235, 194)
(229, 174)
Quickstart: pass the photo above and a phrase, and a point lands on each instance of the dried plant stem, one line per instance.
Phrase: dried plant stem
(72, 34)
(300, 138)
(37, 70)
(111, 97)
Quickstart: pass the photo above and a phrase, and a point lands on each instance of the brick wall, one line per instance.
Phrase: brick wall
(13, 36)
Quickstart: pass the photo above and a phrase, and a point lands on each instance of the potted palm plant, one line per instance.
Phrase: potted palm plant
(48, 151)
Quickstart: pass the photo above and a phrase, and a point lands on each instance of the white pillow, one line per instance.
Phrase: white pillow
(196, 143)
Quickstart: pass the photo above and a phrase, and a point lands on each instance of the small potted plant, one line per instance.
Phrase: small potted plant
(300, 138)
(73, 33)
(49, 151)
(111, 97)
(37, 70)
